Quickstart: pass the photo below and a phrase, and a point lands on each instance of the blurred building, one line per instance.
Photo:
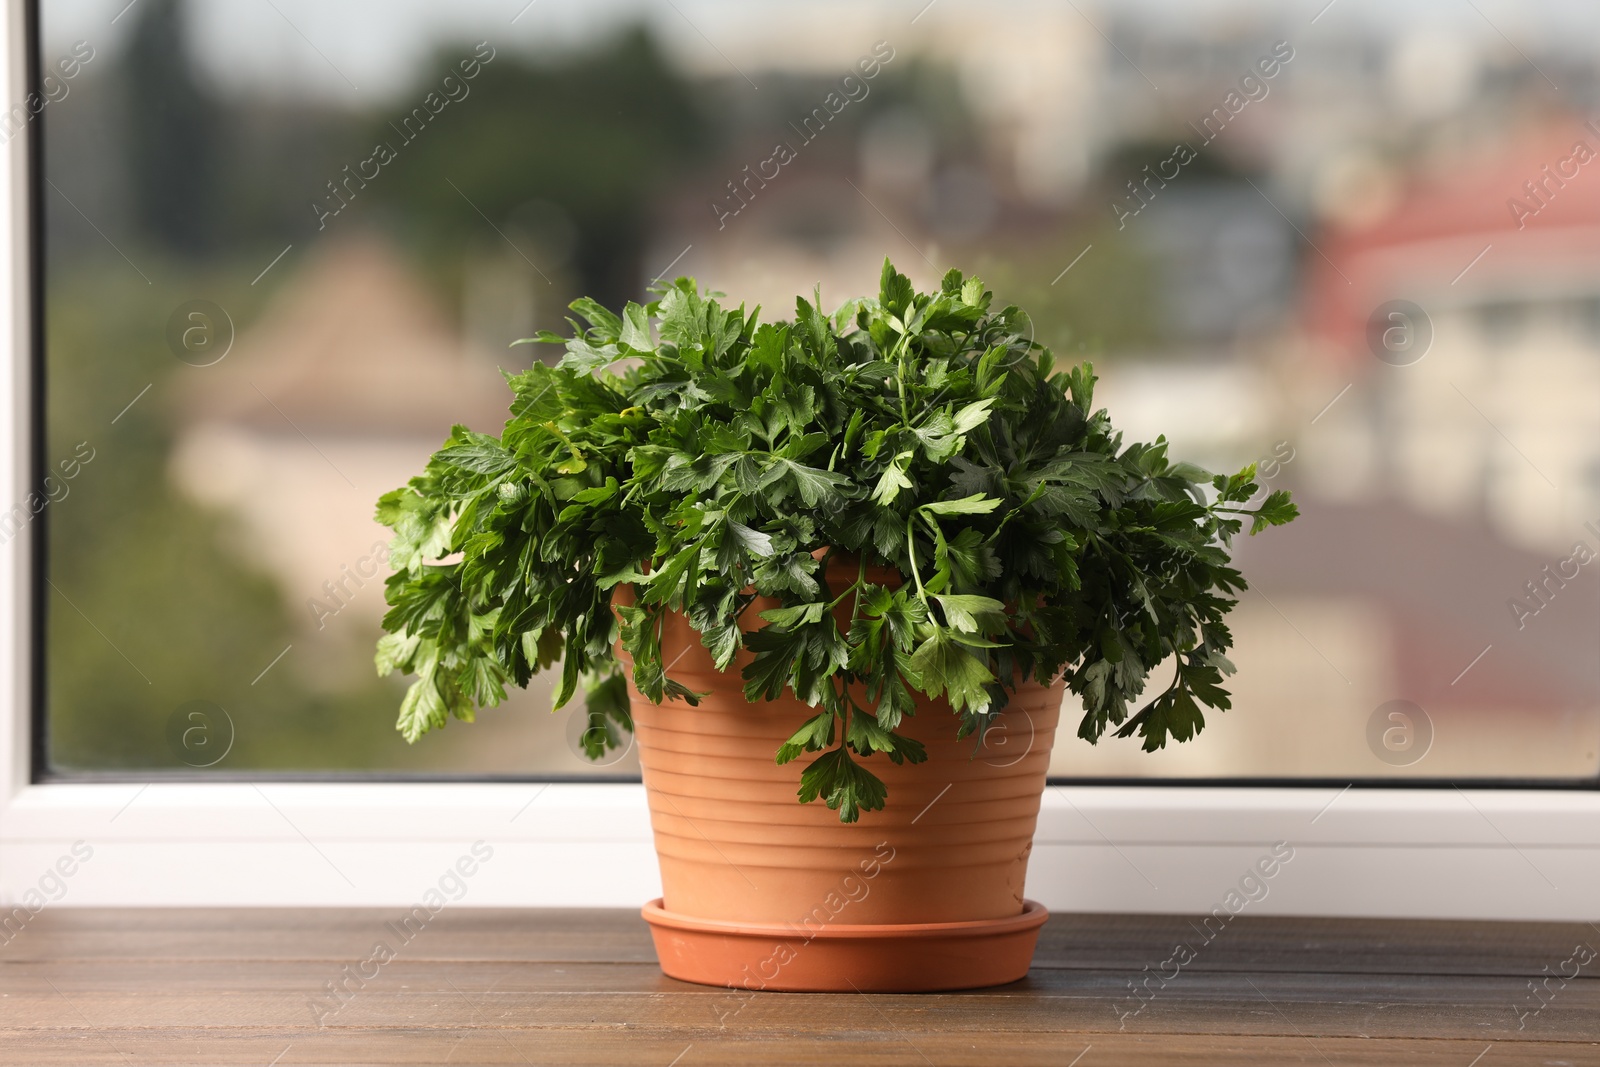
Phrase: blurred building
(349, 379)
(1451, 487)
(1496, 418)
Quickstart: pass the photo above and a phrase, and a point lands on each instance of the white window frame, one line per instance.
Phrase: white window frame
(1420, 852)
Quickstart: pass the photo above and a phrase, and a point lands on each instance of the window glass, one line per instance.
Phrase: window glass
(286, 245)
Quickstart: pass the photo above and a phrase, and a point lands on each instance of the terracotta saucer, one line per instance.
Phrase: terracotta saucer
(841, 958)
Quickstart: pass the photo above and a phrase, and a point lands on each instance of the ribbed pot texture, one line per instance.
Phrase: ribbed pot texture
(734, 843)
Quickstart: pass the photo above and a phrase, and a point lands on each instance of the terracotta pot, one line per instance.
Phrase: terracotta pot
(764, 892)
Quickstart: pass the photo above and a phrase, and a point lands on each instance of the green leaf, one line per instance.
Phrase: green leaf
(867, 736)
(584, 357)
(811, 327)
(1172, 714)
(973, 415)
(1236, 488)
(973, 563)
(667, 583)
(843, 784)
(604, 322)
(484, 682)
(972, 292)
(814, 736)
(424, 707)
(753, 541)
(799, 615)
(974, 614)
(767, 347)
(599, 494)
(421, 525)
(481, 454)
(609, 717)
(696, 474)
(778, 652)
(635, 329)
(895, 291)
(892, 481)
(814, 486)
(977, 504)
(569, 681)
(1276, 510)
(940, 665)
(543, 337)
(395, 652)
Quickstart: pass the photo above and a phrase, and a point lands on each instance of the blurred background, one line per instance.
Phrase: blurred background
(288, 242)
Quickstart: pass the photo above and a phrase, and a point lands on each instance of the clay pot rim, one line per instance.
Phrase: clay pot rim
(1033, 915)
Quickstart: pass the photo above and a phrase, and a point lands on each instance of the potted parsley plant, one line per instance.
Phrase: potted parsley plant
(822, 567)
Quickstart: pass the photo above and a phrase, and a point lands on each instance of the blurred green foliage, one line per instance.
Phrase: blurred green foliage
(596, 134)
(150, 607)
(174, 134)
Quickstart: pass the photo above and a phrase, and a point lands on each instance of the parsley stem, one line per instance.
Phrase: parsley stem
(855, 608)
(900, 375)
(911, 554)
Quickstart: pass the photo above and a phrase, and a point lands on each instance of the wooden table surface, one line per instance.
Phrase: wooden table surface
(250, 986)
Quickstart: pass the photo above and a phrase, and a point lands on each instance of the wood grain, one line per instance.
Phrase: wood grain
(500, 986)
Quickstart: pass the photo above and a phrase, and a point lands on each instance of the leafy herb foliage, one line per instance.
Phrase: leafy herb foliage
(925, 432)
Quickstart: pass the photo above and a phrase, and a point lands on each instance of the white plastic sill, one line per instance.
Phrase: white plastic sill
(1448, 853)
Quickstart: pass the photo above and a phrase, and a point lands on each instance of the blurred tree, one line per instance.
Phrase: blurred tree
(173, 132)
(595, 134)
(150, 605)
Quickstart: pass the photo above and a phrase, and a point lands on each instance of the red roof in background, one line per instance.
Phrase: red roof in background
(1446, 218)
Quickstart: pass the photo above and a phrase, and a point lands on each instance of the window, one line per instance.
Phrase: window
(278, 249)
